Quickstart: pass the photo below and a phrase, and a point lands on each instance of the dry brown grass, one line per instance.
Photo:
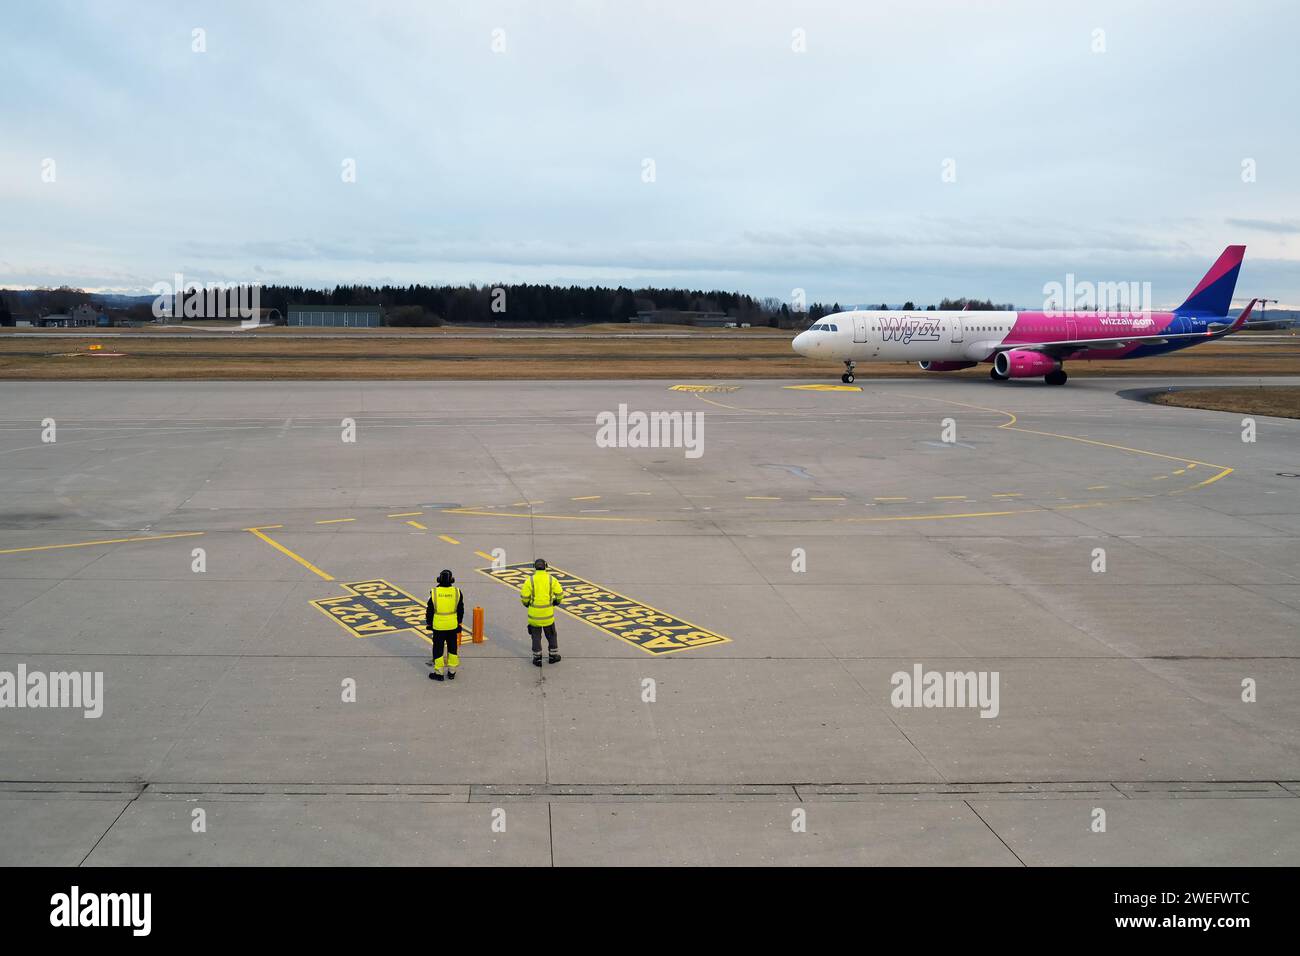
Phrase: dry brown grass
(356, 356)
(1280, 401)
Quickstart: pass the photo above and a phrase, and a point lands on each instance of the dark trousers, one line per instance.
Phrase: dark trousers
(448, 638)
(536, 633)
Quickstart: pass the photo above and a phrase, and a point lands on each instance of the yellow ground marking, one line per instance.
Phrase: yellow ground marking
(483, 554)
(257, 532)
(1008, 494)
(826, 388)
(893, 499)
(828, 498)
(525, 514)
(448, 538)
(1097, 487)
(737, 408)
(336, 520)
(647, 493)
(87, 544)
(416, 524)
(760, 498)
(577, 595)
(1181, 471)
(520, 504)
(1011, 425)
(703, 388)
(407, 514)
(949, 497)
(1159, 477)
(972, 514)
(586, 498)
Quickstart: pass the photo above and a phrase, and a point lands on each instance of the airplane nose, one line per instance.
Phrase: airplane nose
(800, 343)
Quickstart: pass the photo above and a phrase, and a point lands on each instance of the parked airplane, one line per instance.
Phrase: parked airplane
(1027, 344)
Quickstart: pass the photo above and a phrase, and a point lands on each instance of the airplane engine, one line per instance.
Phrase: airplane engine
(1024, 363)
(945, 366)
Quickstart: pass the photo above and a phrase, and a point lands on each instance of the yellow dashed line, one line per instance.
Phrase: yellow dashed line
(515, 514)
(828, 498)
(336, 520)
(1097, 487)
(416, 524)
(587, 498)
(760, 498)
(407, 514)
(1008, 494)
(892, 499)
(484, 555)
(448, 538)
(949, 497)
(1159, 477)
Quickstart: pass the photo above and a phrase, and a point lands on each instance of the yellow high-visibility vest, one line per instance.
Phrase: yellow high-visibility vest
(539, 594)
(445, 601)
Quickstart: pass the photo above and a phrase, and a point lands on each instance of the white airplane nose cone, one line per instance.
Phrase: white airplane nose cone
(800, 343)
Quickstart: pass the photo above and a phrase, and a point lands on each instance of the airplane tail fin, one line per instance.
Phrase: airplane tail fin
(1213, 294)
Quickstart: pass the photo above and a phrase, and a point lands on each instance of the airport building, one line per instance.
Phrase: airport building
(336, 316)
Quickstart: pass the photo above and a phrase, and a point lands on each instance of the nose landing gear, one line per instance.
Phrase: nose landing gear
(847, 377)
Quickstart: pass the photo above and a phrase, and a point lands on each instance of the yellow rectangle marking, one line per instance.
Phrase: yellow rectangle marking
(448, 538)
(484, 555)
(416, 524)
(632, 622)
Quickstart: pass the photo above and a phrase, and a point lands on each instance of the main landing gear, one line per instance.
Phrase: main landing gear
(847, 377)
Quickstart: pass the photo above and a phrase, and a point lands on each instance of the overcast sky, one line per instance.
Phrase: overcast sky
(773, 169)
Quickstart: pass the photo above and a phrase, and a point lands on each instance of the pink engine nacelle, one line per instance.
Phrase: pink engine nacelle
(945, 366)
(1024, 363)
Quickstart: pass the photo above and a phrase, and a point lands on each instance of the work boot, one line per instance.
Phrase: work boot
(554, 658)
(537, 660)
(435, 676)
(451, 675)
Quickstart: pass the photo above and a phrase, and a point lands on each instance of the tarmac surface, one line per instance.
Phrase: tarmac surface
(738, 629)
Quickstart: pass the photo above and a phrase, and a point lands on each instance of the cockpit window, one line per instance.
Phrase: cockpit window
(833, 327)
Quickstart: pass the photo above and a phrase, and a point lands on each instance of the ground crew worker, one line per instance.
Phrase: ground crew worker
(442, 616)
(540, 593)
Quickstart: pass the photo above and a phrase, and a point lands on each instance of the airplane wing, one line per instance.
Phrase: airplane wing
(1065, 347)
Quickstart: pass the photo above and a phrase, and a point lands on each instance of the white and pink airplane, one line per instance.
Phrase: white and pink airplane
(1027, 344)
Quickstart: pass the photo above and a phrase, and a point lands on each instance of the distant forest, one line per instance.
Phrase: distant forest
(423, 305)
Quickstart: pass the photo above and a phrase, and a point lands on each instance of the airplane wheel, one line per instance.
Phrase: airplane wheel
(1056, 378)
(847, 378)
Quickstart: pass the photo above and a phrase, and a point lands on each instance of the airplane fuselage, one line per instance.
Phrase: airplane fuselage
(889, 336)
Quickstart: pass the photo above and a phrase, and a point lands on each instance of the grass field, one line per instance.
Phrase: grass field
(355, 354)
(1280, 401)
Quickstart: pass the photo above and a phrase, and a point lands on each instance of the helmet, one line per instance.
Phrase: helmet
(540, 564)
(446, 579)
